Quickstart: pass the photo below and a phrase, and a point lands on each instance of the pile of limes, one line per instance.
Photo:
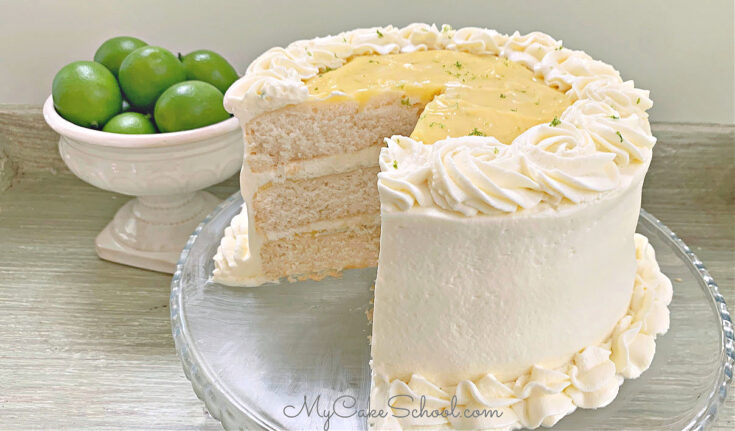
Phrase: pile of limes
(132, 87)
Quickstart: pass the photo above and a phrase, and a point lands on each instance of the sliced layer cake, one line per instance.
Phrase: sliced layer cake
(496, 182)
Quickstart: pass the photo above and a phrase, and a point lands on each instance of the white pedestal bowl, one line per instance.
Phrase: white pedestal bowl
(165, 171)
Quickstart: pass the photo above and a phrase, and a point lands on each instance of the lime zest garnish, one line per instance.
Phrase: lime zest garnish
(476, 132)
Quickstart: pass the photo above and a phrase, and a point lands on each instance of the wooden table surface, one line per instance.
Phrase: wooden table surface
(86, 344)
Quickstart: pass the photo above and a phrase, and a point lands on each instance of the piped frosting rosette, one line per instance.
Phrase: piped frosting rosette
(405, 170)
(542, 396)
(628, 137)
(480, 175)
(529, 49)
(565, 163)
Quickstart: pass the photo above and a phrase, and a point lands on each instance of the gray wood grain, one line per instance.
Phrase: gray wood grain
(86, 344)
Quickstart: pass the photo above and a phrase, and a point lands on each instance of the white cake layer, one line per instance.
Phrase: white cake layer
(532, 289)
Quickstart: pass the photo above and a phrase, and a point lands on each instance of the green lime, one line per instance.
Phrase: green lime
(86, 93)
(113, 51)
(208, 66)
(189, 105)
(146, 73)
(131, 123)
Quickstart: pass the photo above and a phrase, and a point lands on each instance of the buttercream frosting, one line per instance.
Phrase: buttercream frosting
(542, 396)
(546, 163)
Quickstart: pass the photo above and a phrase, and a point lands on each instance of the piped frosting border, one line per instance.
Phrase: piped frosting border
(543, 396)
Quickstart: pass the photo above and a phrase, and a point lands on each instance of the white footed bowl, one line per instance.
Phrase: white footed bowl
(165, 171)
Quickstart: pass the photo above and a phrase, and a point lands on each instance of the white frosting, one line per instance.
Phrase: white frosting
(479, 175)
(627, 137)
(326, 165)
(529, 49)
(480, 41)
(332, 225)
(576, 158)
(561, 68)
(497, 290)
(542, 395)
(563, 160)
(623, 97)
(233, 250)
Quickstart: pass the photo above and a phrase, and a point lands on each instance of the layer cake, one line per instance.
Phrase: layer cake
(509, 172)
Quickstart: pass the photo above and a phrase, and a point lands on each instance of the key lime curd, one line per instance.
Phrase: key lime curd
(462, 93)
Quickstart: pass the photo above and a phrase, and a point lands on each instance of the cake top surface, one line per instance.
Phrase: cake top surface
(464, 94)
(598, 144)
(277, 77)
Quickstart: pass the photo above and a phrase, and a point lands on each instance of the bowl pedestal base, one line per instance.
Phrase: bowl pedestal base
(150, 231)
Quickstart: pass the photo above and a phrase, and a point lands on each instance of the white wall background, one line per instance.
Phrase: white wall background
(683, 51)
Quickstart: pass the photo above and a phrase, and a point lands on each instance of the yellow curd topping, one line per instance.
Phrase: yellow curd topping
(464, 94)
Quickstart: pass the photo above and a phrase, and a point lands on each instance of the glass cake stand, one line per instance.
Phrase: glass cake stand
(251, 352)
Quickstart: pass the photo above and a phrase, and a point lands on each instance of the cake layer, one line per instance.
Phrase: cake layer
(316, 199)
(318, 129)
(319, 254)
(512, 293)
